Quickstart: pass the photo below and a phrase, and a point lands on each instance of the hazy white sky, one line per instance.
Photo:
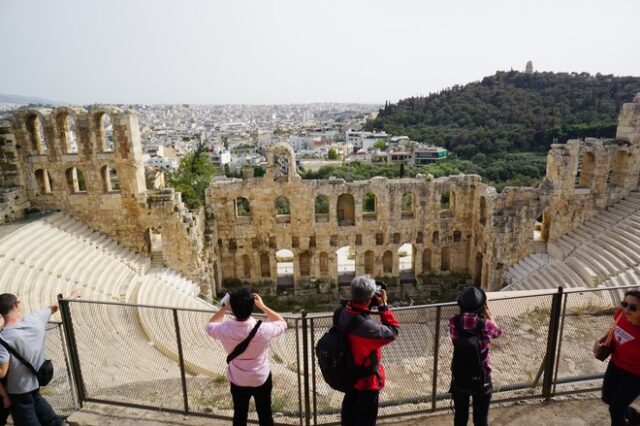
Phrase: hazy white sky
(294, 51)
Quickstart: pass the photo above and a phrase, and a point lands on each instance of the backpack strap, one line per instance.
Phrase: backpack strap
(477, 330)
(242, 346)
(18, 357)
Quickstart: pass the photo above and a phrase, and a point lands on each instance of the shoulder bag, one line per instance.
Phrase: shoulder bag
(242, 346)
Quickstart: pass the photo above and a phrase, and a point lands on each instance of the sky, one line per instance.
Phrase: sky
(299, 51)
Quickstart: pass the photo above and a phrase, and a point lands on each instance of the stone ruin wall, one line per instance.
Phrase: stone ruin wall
(120, 207)
(480, 232)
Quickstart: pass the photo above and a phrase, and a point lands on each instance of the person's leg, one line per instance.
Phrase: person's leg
(241, 396)
(367, 411)
(349, 407)
(610, 382)
(627, 391)
(262, 396)
(23, 410)
(461, 407)
(46, 415)
(481, 404)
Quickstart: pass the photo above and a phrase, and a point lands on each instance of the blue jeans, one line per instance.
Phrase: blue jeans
(619, 389)
(360, 408)
(480, 408)
(31, 409)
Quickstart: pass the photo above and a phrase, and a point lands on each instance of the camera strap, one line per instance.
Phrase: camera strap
(242, 346)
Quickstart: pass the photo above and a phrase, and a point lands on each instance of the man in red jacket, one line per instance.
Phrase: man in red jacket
(360, 405)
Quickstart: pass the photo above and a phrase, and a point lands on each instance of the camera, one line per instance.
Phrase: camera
(379, 287)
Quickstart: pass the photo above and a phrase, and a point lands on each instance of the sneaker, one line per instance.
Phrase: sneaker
(633, 417)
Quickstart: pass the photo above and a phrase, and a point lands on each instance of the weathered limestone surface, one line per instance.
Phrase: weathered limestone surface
(456, 224)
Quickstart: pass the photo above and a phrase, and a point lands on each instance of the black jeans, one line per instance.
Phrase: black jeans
(480, 408)
(31, 409)
(619, 389)
(262, 397)
(360, 408)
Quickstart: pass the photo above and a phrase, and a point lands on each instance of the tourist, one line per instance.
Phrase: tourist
(26, 335)
(360, 405)
(474, 319)
(621, 383)
(249, 373)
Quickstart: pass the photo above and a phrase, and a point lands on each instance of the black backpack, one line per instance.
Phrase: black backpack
(467, 370)
(335, 358)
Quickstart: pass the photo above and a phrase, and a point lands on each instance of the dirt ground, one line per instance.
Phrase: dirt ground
(582, 410)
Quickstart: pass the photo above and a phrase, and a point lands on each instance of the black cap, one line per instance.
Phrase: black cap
(472, 299)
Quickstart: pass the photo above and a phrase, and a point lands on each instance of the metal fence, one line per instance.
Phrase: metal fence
(161, 358)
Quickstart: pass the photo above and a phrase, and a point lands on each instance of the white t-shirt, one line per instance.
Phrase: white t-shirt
(28, 339)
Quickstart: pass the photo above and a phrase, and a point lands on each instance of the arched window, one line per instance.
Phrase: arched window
(346, 210)
(283, 210)
(408, 206)
(243, 208)
(104, 132)
(110, 179)
(419, 238)
(305, 264)
(387, 262)
(369, 206)
(584, 170)
(435, 238)
(445, 261)
(43, 181)
(618, 168)
(36, 135)
(322, 208)
(324, 263)
(426, 260)
(369, 261)
(67, 132)
(444, 200)
(284, 267)
(346, 264)
(75, 181)
(265, 266)
(406, 261)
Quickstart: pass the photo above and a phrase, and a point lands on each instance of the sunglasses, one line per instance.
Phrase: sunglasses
(631, 306)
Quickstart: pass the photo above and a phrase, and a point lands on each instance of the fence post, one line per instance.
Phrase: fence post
(70, 339)
(183, 377)
(552, 344)
(436, 352)
(305, 368)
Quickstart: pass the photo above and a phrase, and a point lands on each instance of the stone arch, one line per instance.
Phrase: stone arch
(369, 206)
(426, 260)
(284, 268)
(420, 237)
(304, 262)
(483, 211)
(407, 205)
(104, 131)
(282, 209)
(584, 170)
(35, 132)
(242, 207)
(67, 130)
(324, 263)
(281, 162)
(387, 262)
(435, 237)
(445, 199)
(110, 182)
(445, 259)
(369, 262)
(321, 207)
(346, 210)
(618, 167)
(75, 180)
(346, 264)
(43, 181)
(246, 267)
(265, 266)
(406, 262)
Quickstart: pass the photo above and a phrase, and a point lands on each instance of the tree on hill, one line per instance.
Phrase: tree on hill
(332, 154)
(193, 176)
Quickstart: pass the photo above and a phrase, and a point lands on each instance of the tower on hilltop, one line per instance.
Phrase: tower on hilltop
(528, 69)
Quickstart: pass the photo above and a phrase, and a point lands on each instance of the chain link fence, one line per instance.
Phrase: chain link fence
(161, 358)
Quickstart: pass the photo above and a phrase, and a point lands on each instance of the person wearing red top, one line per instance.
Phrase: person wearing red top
(621, 383)
(360, 405)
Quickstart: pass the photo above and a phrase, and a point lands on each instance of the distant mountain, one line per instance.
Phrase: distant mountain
(26, 100)
(512, 111)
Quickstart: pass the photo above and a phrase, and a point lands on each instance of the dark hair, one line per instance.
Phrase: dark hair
(7, 302)
(242, 303)
(633, 293)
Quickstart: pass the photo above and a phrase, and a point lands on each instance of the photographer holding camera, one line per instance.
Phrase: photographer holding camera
(360, 405)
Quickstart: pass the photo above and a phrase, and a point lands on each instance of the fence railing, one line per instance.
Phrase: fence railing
(160, 358)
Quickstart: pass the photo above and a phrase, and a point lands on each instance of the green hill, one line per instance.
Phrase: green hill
(512, 111)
